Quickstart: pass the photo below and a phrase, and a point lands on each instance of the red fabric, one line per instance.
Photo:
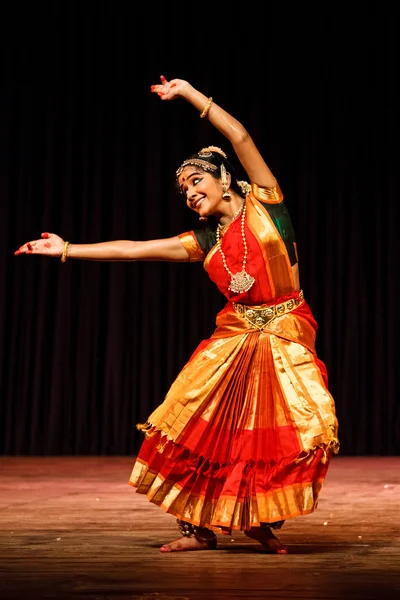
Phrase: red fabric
(233, 248)
(215, 456)
(178, 464)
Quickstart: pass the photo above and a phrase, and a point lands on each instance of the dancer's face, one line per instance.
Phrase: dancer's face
(203, 192)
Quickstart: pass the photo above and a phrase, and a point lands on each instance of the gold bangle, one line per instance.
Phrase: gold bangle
(65, 252)
(206, 108)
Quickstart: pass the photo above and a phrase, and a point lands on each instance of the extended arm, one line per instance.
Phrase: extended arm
(247, 152)
(168, 249)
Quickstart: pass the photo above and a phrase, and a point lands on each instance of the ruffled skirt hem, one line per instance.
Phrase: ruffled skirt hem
(227, 497)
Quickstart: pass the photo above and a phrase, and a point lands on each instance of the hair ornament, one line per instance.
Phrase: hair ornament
(196, 162)
(209, 149)
(244, 186)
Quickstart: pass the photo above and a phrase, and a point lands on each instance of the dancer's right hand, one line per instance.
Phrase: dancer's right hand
(50, 244)
(169, 90)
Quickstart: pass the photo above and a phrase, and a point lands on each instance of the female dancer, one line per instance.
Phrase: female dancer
(245, 434)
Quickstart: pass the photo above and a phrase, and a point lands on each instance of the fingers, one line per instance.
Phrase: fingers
(162, 89)
(30, 247)
(157, 89)
(27, 248)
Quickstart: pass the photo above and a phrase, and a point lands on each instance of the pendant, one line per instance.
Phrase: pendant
(241, 282)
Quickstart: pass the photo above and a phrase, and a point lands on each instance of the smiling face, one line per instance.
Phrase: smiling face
(203, 191)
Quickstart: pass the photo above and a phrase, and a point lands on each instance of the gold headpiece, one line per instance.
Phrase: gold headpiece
(196, 162)
(207, 151)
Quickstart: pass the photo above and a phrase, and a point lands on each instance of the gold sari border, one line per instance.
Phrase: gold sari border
(226, 513)
(192, 246)
(276, 258)
(266, 194)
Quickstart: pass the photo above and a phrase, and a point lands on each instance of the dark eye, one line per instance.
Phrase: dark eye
(197, 180)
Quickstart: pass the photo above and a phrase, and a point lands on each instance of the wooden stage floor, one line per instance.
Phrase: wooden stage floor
(72, 528)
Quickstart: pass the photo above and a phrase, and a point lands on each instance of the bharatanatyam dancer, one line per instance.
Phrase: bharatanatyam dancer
(245, 434)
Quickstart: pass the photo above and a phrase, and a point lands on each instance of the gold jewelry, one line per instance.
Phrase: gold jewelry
(65, 252)
(206, 108)
(237, 213)
(224, 180)
(196, 162)
(207, 151)
(260, 316)
(240, 281)
(199, 162)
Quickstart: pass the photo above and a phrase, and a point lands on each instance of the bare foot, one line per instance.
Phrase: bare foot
(186, 543)
(267, 540)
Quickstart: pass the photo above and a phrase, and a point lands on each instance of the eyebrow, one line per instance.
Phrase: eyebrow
(192, 174)
(188, 178)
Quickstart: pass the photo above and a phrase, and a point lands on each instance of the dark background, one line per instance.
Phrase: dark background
(89, 349)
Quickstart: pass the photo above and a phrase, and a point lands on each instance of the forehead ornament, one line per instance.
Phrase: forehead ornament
(199, 162)
(196, 162)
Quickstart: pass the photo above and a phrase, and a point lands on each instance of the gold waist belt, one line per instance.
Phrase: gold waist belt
(260, 316)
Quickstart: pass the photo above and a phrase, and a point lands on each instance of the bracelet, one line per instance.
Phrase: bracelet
(206, 108)
(65, 252)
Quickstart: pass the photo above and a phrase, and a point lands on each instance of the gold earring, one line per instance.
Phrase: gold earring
(224, 180)
(203, 219)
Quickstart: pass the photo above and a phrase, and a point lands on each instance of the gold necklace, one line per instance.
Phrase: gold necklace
(240, 281)
(237, 213)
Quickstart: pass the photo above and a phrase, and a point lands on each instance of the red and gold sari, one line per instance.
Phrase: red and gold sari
(247, 429)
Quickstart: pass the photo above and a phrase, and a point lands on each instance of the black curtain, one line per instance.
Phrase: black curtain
(89, 349)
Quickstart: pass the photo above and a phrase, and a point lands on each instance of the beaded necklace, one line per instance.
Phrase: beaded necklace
(240, 281)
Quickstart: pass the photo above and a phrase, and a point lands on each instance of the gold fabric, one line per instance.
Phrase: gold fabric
(282, 354)
(251, 405)
(273, 248)
(227, 513)
(192, 246)
(269, 195)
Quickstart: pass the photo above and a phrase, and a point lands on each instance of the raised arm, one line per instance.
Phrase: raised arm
(247, 152)
(50, 244)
